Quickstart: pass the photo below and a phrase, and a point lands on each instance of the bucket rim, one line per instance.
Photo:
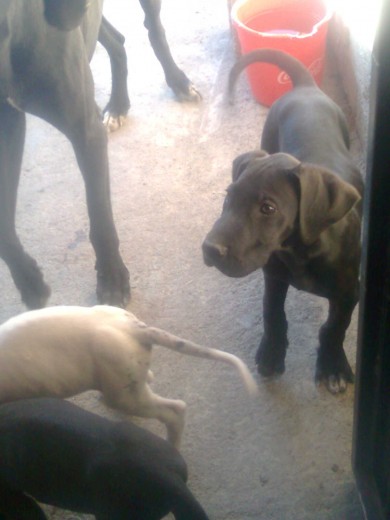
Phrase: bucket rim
(329, 11)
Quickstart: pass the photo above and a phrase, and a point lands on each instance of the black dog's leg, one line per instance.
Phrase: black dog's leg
(90, 147)
(175, 78)
(119, 103)
(74, 112)
(272, 351)
(332, 365)
(24, 269)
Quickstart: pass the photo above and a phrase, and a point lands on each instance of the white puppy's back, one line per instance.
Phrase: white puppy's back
(52, 351)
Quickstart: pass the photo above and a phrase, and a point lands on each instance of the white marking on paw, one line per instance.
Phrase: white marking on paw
(113, 123)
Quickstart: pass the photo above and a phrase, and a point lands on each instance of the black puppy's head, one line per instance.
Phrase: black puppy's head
(258, 214)
(271, 197)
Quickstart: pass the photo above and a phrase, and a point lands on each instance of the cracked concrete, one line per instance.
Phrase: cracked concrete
(284, 456)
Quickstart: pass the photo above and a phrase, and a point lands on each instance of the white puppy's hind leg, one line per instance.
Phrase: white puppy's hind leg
(146, 403)
(172, 413)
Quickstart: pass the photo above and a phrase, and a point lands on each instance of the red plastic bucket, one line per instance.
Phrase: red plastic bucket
(298, 27)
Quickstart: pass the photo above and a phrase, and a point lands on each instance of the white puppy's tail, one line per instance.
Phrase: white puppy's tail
(153, 335)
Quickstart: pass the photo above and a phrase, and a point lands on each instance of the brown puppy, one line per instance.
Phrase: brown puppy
(295, 214)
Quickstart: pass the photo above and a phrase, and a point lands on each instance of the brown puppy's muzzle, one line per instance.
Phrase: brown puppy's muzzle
(213, 253)
(219, 255)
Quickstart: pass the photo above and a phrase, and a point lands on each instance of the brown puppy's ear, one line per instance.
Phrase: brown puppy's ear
(242, 161)
(324, 200)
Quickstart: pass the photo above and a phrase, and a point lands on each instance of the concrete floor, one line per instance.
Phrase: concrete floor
(285, 456)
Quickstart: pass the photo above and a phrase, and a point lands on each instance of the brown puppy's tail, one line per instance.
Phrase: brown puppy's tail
(299, 74)
(153, 335)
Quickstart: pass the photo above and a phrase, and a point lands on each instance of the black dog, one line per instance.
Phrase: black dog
(67, 14)
(56, 453)
(39, 40)
(45, 71)
(299, 221)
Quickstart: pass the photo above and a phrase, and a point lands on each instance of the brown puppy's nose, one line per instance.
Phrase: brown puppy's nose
(213, 253)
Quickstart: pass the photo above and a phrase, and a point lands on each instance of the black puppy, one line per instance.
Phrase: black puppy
(45, 71)
(56, 453)
(299, 221)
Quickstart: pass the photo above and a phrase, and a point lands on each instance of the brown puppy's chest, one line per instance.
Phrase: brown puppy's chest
(314, 274)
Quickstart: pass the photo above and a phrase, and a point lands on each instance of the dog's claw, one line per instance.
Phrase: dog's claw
(334, 372)
(193, 94)
(113, 122)
(271, 366)
(335, 383)
(189, 93)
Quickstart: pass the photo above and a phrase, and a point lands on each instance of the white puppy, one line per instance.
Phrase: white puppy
(63, 351)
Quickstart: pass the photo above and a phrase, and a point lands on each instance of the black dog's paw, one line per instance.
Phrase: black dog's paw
(37, 299)
(335, 373)
(182, 87)
(112, 122)
(113, 286)
(115, 113)
(33, 289)
(270, 358)
(190, 93)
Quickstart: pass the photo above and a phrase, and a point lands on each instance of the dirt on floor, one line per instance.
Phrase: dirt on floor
(285, 455)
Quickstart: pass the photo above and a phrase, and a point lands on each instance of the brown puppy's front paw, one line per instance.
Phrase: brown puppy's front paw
(334, 374)
(190, 94)
(270, 359)
(182, 87)
(34, 290)
(113, 122)
(113, 286)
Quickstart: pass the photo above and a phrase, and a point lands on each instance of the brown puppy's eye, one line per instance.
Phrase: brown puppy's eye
(267, 208)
